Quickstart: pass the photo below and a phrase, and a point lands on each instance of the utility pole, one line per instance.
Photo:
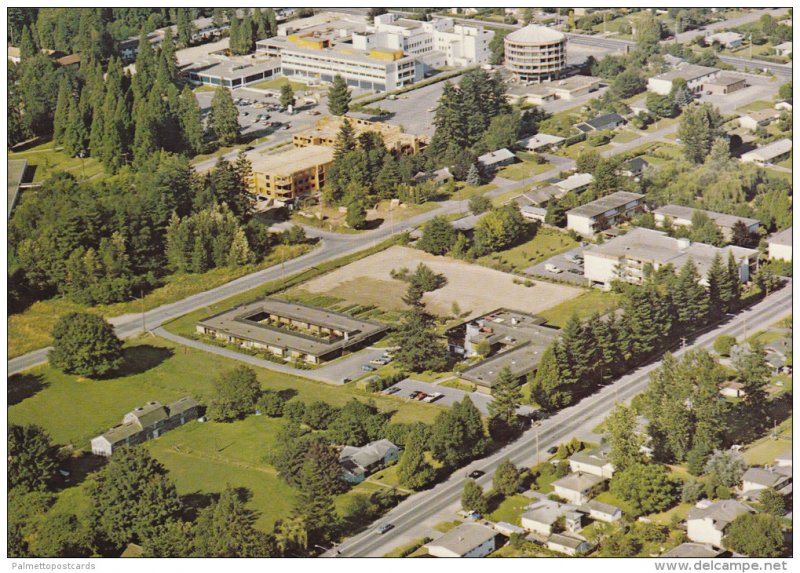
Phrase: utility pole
(141, 298)
(537, 446)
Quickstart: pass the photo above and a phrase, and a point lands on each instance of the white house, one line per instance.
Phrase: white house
(780, 245)
(728, 40)
(680, 216)
(578, 182)
(577, 488)
(567, 544)
(784, 49)
(543, 141)
(542, 515)
(594, 461)
(694, 75)
(771, 153)
(757, 479)
(465, 540)
(709, 524)
(602, 511)
(784, 460)
(732, 389)
(605, 212)
(760, 118)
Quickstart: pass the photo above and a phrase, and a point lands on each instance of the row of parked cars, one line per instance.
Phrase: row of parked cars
(375, 363)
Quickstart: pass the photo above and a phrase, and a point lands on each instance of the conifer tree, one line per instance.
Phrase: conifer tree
(413, 470)
(60, 117)
(507, 397)
(224, 117)
(339, 96)
(690, 298)
(190, 119)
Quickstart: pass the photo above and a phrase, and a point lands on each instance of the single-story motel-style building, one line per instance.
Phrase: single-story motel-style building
(291, 330)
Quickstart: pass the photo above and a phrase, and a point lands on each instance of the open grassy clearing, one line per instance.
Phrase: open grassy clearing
(278, 83)
(523, 170)
(546, 243)
(47, 159)
(368, 281)
(510, 509)
(765, 450)
(625, 136)
(464, 191)
(584, 305)
(30, 329)
(755, 106)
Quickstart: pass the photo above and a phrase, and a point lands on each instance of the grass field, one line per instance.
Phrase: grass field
(278, 83)
(47, 159)
(545, 244)
(755, 106)
(523, 170)
(764, 450)
(30, 330)
(510, 509)
(625, 136)
(465, 191)
(584, 305)
(333, 220)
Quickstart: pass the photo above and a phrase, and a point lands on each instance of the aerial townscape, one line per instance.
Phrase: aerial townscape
(399, 282)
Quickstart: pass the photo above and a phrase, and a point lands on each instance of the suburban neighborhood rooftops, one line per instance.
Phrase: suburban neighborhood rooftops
(602, 121)
(782, 238)
(721, 219)
(761, 476)
(597, 207)
(769, 151)
(541, 140)
(600, 507)
(546, 511)
(535, 34)
(635, 165)
(463, 538)
(495, 157)
(688, 72)
(763, 114)
(692, 550)
(367, 455)
(295, 159)
(578, 481)
(597, 457)
(657, 247)
(724, 37)
(575, 181)
(566, 540)
(726, 80)
(721, 513)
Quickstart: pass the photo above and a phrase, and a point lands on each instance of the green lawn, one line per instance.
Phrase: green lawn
(459, 385)
(545, 244)
(755, 106)
(510, 509)
(608, 497)
(764, 450)
(47, 159)
(523, 170)
(625, 136)
(584, 305)
(787, 163)
(665, 517)
(575, 151)
(446, 526)
(30, 329)
(467, 191)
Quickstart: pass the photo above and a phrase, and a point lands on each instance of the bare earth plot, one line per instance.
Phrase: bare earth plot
(476, 289)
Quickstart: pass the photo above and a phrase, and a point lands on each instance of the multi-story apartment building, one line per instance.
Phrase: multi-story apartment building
(536, 53)
(291, 174)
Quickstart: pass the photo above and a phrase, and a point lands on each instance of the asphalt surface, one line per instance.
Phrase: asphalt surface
(415, 516)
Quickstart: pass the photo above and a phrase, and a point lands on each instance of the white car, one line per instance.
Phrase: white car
(552, 268)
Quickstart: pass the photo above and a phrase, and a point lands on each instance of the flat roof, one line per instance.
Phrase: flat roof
(235, 322)
(536, 34)
(782, 238)
(726, 80)
(340, 53)
(292, 160)
(686, 71)
(604, 204)
(721, 219)
(573, 83)
(578, 481)
(575, 181)
(659, 248)
(464, 538)
(224, 68)
(769, 151)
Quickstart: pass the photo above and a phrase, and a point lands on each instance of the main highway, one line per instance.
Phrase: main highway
(415, 516)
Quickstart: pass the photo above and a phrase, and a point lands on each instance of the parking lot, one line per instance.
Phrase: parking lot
(348, 367)
(449, 395)
(414, 109)
(571, 269)
(259, 113)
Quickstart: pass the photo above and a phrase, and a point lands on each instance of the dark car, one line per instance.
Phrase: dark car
(476, 474)
(368, 368)
(551, 450)
(249, 148)
(384, 528)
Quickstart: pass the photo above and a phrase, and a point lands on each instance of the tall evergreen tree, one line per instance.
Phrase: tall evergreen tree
(191, 122)
(690, 298)
(619, 429)
(339, 96)
(224, 117)
(60, 117)
(507, 395)
(413, 470)
(227, 529)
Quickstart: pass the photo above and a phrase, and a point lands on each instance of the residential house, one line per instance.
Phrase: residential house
(774, 152)
(594, 461)
(634, 167)
(495, 159)
(602, 511)
(539, 197)
(578, 182)
(784, 49)
(784, 460)
(601, 123)
(732, 389)
(567, 544)
(780, 245)
(695, 76)
(730, 40)
(693, 550)
(357, 463)
(541, 142)
(145, 423)
(680, 216)
(600, 214)
(508, 529)
(725, 84)
(784, 105)
(541, 517)
(755, 480)
(577, 488)
(760, 118)
(465, 540)
(709, 524)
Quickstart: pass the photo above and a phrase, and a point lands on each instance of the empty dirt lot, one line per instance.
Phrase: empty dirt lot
(476, 289)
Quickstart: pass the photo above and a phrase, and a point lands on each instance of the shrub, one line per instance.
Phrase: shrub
(271, 404)
(723, 344)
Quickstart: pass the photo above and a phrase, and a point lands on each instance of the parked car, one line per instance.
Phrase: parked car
(551, 450)
(368, 368)
(421, 396)
(433, 397)
(476, 474)
(392, 390)
(377, 361)
(552, 268)
(384, 528)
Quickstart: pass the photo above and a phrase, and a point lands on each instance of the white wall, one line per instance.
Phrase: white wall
(598, 268)
(702, 531)
(780, 252)
(580, 224)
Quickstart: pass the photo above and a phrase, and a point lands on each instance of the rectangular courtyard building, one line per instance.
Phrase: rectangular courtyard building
(291, 174)
(290, 330)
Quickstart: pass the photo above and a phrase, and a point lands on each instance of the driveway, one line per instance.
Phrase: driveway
(572, 271)
(450, 395)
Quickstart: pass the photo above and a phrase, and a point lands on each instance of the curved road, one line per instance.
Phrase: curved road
(415, 517)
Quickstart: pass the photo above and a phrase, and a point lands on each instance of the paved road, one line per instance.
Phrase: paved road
(730, 23)
(415, 517)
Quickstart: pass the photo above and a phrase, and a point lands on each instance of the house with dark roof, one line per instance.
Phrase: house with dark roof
(755, 480)
(634, 167)
(145, 423)
(601, 122)
(357, 463)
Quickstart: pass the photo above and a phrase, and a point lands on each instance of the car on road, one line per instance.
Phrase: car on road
(476, 474)
(249, 148)
(392, 390)
(245, 113)
(551, 450)
(368, 368)
(384, 528)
